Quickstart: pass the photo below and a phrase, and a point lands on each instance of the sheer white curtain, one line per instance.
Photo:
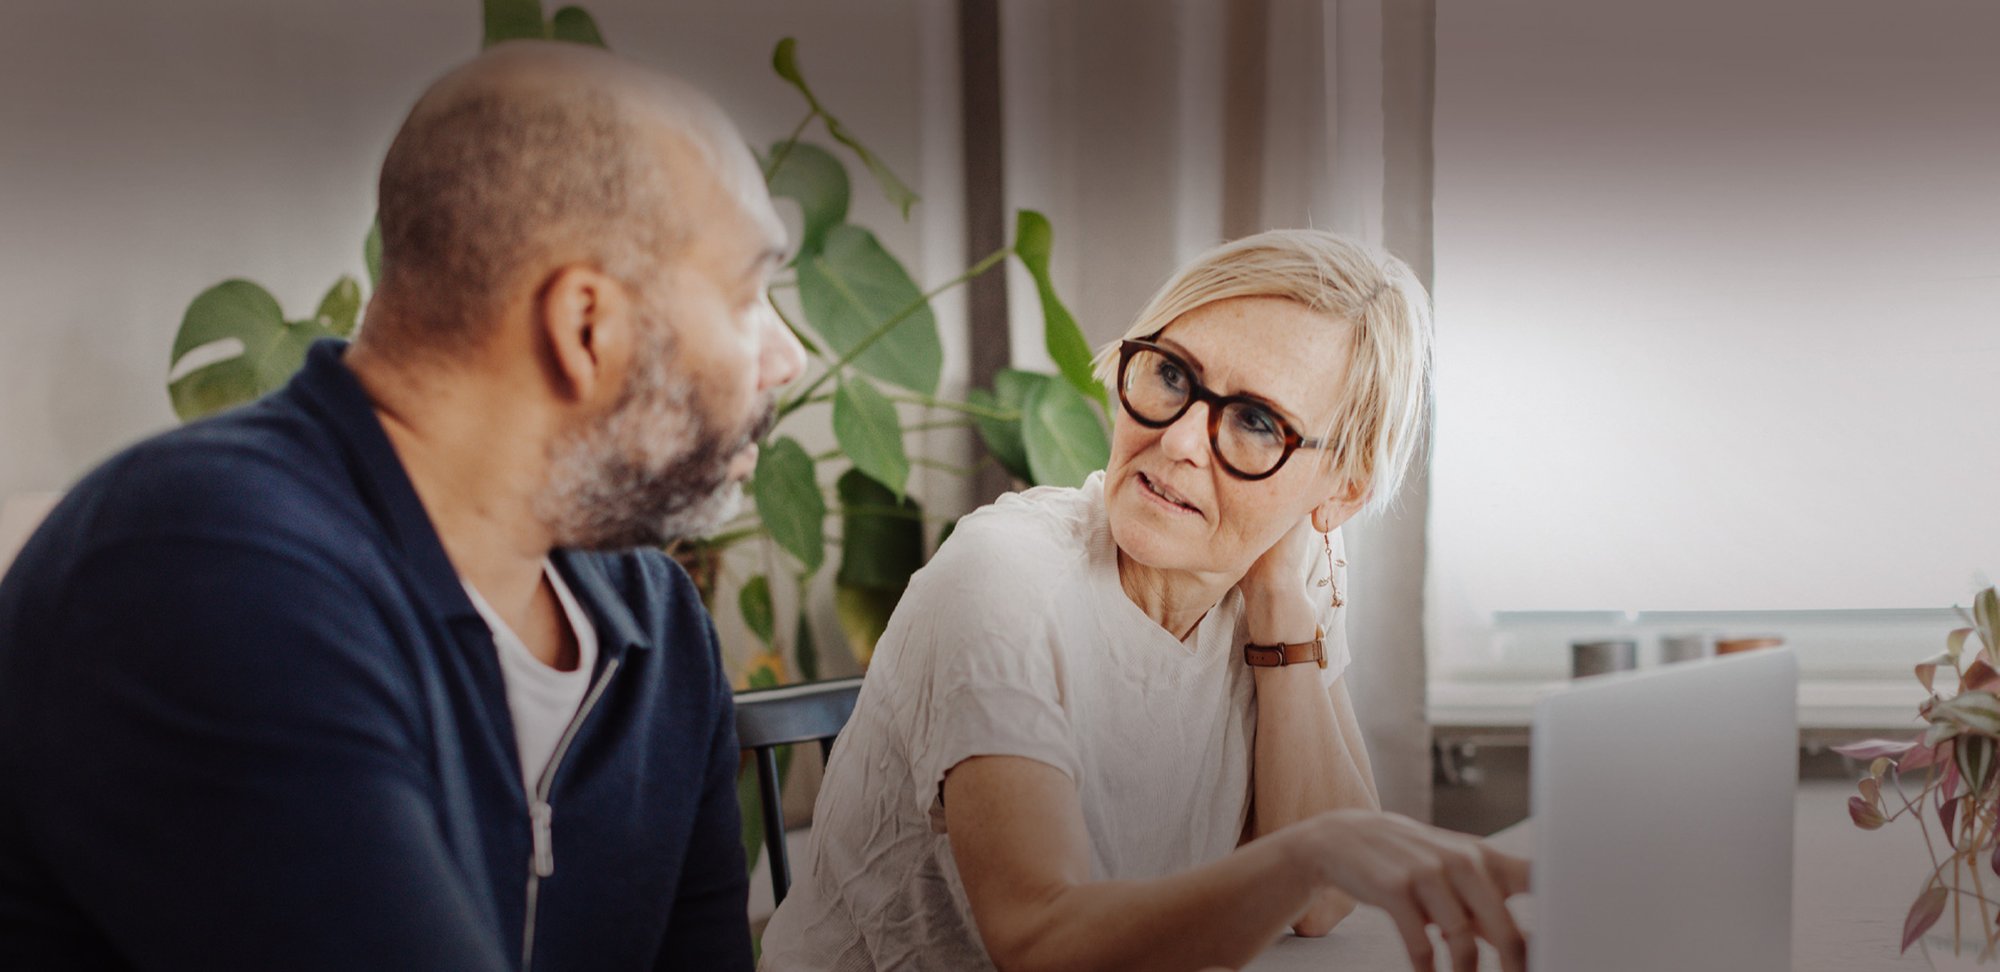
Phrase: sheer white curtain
(1151, 131)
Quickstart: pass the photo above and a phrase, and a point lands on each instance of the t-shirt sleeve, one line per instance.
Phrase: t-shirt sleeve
(1332, 619)
(976, 666)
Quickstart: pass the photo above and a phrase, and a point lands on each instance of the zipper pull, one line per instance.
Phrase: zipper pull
(542, 817)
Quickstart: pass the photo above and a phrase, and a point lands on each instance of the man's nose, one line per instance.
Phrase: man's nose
(781, 359)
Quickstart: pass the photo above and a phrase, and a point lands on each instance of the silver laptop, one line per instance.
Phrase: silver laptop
(1662, 807)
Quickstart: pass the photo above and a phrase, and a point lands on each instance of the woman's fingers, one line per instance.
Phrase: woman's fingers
(1511, 871)
(1410, 923)
(1484, 893)
(1441, 901)
(1421, 876)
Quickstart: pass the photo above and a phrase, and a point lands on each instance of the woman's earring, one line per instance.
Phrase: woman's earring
(1327, 581)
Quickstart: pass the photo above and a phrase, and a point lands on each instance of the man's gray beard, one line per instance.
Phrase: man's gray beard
(652, 471)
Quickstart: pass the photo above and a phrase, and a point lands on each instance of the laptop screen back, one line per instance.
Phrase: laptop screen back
(1663, 809)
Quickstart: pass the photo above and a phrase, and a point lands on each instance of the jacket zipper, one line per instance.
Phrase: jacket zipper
(541, 816)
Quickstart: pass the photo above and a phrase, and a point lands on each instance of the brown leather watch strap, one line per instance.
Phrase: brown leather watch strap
(1275, 656)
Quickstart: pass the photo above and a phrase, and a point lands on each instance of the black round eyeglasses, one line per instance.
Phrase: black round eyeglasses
(1248, 436)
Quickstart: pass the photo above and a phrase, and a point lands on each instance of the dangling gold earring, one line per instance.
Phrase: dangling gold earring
(1327, 581)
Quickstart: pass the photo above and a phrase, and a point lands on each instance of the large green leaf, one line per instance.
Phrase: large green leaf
(812, 177)
(805, 651)
(853, 293)
(272, 348)
(789, 501)
(1986, 614)
(512, 20)
(371, 253)
(881, 538)
(755, 603)
(1033, 242)
(231, 309)
(1064, 437)
(211, 389)
(1003, 436)
(340, 308)
(864, 614)
(866, 426)
(785, 61)
(882, 544)
(1978, 712)
(574, 24)
(1974, 755)
(902, 196)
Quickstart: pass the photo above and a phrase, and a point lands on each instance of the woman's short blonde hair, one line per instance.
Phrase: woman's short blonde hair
(1381, 419)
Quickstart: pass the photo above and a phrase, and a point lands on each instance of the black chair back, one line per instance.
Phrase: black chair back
(769, 718)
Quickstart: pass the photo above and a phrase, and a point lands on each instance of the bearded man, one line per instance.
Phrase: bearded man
(382, 671)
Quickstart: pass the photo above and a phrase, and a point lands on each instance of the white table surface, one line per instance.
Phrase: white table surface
(1850, 891)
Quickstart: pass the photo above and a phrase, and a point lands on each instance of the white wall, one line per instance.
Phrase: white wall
(1718, 292)
(149, 150)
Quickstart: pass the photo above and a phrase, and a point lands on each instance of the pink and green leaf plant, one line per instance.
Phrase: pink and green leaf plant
(1958, 787)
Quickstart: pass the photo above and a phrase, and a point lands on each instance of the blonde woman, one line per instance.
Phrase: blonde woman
(1106, 727)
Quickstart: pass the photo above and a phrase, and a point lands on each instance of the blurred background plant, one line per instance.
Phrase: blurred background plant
(876, 367)
(1956, 754)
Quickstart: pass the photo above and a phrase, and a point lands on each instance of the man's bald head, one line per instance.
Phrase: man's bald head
(532, 156)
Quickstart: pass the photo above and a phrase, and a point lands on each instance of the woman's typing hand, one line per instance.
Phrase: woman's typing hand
(1421, 876)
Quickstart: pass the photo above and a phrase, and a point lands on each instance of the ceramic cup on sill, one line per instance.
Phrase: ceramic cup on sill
(1730, 646)
(1686, 647)
(1602, 657)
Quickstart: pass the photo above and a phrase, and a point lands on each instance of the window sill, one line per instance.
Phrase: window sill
(1886, 705)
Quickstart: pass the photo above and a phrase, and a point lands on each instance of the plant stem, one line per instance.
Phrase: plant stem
(963, 408)
(960, 471)
(992, 260)
(724, 540)
(940, 424)
(1930, 776)
(889, 512)
(884, 511)
(1956, 904)
(1981, 834)
(785, 147)
(804, 341)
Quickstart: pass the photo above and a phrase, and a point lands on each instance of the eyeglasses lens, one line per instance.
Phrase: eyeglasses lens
(1157, 389)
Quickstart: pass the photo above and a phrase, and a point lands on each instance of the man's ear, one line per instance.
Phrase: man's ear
(584, 321)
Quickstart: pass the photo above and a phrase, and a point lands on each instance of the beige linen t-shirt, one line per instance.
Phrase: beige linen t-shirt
(1018, 640)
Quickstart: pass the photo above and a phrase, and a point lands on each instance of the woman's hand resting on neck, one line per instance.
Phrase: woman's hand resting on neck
(1276, 605)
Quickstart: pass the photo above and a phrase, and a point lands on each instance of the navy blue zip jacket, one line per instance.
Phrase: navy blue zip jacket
(249, 720)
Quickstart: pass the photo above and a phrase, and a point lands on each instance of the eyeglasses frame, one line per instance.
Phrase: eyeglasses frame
(1216, 402)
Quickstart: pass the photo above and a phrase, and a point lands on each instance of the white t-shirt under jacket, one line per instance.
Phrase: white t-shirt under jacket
(1018, 640)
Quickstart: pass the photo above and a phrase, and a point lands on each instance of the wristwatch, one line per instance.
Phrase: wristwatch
(1275, 656)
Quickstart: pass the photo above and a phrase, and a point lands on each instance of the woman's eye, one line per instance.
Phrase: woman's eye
(1257, 422)
(1170, 375)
